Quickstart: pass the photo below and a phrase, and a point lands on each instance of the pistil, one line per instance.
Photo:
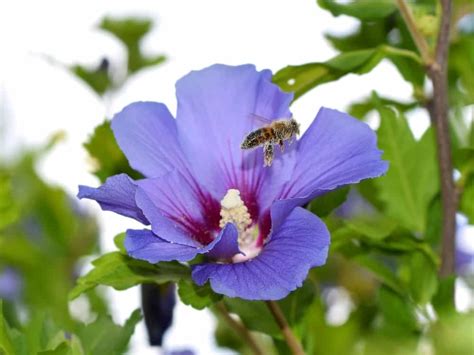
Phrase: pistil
(233, 210)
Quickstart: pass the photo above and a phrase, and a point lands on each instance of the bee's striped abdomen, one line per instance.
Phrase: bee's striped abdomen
(257, 137)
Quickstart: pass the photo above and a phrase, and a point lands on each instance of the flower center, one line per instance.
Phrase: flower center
(233, 210)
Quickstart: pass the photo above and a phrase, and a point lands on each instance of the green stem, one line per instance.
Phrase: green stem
(418, 38)
(239, 328)
(293, 343)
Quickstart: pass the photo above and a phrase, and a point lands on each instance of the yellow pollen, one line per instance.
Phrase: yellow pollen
(233, 210)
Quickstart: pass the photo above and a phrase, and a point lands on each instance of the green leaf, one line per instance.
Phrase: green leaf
(119, 241)
(443, 300)
(407, 243)
(76, 346)
(255, 315)
(6, 345)
(398, 313)
(362, 108)
(369, 34)
(463, 160)
(121, 272)
(453, 335)
(410, 72)
(131, 31)
(302, 78)
(9, 211)
(381, 272)
(108, 157)
(384, 31)
(434, 222)
(412, 179)
(61, 349)
(128, 30)
(103, 336)
(51, 228)
(295, 305)
(467, 198)
(324, 205)
(423, 278)
(375, 227)
(38, 335)
(198, 297)
(41, 333)
(354, 244)
(320, 338)
(97, 78)
(361, 9)
(226, 336)
(461, 70)
(370, 192)
(149, 62)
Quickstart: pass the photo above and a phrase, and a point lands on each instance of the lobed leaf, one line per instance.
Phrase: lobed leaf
(255, 315)
(325, 204)
(377, 228)
(382, 273)
(423, 278)
(103, 336)
(302, 78)
(97, 78)
(6, 344)
(363, 10)
(397, 312)
(198, 297)
(130, 31)
(412, 179)
(121, 272)
(108, 157)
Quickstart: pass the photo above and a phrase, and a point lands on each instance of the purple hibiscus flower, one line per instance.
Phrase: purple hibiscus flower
(204, 195)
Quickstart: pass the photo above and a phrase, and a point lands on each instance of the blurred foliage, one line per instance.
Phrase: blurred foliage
(130, 32)
(121, 272)
(385, 233)
(43, 236)
(406, 199)
(302, 78)
(381, 279)
(107, 157)
(44, 233)
(41, 335)
(328, 202)
(198, 297)
(98, 78)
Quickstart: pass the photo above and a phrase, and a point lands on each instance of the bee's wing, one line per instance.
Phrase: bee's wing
(264, 120)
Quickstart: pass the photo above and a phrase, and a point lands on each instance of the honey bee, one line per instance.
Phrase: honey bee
(274, 132)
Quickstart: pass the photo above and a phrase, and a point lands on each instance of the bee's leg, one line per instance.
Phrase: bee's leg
(282, 145)
(267, 154)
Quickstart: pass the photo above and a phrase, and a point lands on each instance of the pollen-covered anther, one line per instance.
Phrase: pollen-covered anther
(233, 210)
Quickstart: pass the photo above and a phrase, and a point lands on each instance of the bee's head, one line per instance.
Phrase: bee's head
(295, 126)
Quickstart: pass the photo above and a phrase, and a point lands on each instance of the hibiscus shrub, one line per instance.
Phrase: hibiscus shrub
(345, 215)
(344, 244)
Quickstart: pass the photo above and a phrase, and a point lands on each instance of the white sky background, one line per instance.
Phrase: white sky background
(40, 98)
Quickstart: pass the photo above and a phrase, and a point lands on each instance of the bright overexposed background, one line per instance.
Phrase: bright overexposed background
(39, 97)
